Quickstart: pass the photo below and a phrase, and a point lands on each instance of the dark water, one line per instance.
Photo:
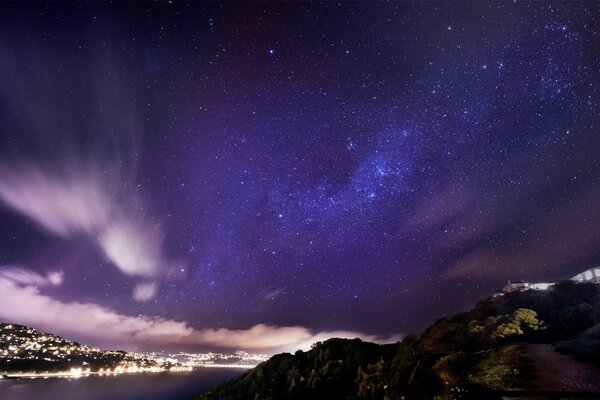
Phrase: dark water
(155, 386)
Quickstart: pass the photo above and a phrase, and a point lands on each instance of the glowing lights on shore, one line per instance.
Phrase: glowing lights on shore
(119, 370)
(239, 366)
(43, 349)
(135, 369)
(240, 359)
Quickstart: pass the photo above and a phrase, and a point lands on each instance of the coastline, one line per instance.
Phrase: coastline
(78, 373)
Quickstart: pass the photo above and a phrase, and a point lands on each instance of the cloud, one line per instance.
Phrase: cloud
(87, 200)
(144, 291)
(28, 277)
(439, 209)
(67, 205)
(136, 250)
(270, 294)
(78, 157)
(568, 237)
(322, 336)
(23, 302)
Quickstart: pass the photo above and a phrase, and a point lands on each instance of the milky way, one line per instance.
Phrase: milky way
(303, 168)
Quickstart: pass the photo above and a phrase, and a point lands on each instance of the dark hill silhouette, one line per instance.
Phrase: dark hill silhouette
(476, 354)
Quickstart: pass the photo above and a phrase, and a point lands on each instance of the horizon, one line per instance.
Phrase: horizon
(260, 177)
(307, 345)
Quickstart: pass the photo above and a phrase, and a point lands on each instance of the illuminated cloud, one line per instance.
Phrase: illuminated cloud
(86, 201)
(27, 277)
(144, 291)
(24, 302)
(322, 336)
(132, 247)
(55, 278)
(62, 205)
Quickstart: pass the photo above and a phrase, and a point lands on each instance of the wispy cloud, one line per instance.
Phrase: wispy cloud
(74, 164)
(555, 248)
(63, 205)
(270, 293)
(508, 226)
(87, 201)
(132, 246)
(23, 301)
(27, 277)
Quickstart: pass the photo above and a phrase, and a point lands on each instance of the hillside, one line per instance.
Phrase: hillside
(477, 353)
(25, 349)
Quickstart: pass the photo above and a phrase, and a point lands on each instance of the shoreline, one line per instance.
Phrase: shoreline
(84, 374)
(78, 373)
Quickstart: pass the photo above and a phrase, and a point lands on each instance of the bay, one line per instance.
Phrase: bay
(149, 386)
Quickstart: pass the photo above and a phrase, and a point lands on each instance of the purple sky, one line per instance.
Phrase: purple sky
(261, 176)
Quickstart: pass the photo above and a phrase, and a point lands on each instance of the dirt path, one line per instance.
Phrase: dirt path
(557, 371)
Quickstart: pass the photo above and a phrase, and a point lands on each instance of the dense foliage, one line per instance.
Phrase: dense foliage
(328, 370)
(469, 355)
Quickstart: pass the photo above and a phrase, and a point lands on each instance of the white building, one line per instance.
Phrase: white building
(515, 286)
(540, 285)
(591, 275)
(520, 286)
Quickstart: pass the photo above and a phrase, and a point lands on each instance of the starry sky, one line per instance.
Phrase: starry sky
(263, 175)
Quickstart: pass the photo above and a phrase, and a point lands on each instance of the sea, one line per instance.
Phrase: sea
(143, 386)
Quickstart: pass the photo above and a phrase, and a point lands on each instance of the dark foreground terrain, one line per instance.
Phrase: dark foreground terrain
(533, 343)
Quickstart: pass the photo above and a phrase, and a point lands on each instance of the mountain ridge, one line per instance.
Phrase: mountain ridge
(480, 352)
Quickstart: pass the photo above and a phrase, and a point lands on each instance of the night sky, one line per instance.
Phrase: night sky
(263, 175)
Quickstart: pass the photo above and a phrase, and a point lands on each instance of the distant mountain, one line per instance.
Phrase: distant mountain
(24, 349)
(476, 354)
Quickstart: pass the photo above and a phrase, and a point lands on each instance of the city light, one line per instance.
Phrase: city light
(45, 355)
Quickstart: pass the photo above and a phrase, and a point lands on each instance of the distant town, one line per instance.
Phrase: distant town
(239, 359)
(28, 353)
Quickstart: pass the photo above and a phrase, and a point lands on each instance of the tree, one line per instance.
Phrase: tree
(371, 383)
(521, 320)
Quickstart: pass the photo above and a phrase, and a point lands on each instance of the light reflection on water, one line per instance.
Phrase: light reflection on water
(151, 386)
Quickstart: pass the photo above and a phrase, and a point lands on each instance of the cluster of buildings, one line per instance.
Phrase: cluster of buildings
(22, 342)
(239, 359)
(591, 275)
(25, 351)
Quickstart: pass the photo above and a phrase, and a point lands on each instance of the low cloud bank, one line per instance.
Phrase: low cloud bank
(23, 302)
